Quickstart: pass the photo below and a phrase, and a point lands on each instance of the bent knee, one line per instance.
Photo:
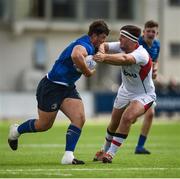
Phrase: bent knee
(40, 126)
(78, 119)
(149, 115)
(81, 118)
(128, 118)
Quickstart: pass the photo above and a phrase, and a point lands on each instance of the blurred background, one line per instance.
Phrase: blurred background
(34, 32)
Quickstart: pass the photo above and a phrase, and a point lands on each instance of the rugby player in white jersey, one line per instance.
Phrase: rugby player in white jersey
(136, 93)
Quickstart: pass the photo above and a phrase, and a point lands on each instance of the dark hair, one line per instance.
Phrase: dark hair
(150, 24)
(133, 30)
(98, 27)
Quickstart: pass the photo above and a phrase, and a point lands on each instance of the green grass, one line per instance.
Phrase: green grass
(39, 154)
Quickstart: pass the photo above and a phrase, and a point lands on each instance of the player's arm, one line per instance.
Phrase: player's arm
(78, 56)
(155, 69)
(110, 47)
(115, 59)
(104, 48)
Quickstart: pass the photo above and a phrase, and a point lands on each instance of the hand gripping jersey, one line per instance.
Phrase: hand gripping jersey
(64, 71)
(136, 78)
(153, 50)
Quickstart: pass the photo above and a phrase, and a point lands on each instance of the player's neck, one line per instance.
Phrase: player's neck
(148, 42)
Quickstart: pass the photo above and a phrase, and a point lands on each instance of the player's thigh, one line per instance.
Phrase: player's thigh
(73, 108)
(134, 110)
(46, 119)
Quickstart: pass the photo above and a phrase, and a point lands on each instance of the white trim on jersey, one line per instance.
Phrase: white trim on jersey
(57, 82)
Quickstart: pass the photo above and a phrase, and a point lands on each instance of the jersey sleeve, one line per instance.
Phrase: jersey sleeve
(158, 51)
(114, 47)
(141, 56)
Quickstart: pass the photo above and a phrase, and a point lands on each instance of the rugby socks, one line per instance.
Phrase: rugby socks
(108, 140)
(72, 137)
(117, 141)
(27, 127)
(141, 141)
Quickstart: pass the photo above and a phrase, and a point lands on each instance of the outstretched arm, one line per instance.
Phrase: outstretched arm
(115, 59)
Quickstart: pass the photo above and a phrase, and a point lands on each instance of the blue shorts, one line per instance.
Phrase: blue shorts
(50, 95)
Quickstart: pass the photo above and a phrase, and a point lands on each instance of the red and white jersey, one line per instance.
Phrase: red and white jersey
(136, 78)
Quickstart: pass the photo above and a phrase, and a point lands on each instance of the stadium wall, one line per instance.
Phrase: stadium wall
(24, 105)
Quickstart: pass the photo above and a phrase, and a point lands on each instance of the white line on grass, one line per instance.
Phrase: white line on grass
(80, 145)
(56, 173)
(83, 169)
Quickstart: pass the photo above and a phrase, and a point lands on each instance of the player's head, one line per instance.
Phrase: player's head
(98, 31)
(129, 35)
(150, 31)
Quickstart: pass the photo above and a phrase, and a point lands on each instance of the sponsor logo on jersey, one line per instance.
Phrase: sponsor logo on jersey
(129, 74)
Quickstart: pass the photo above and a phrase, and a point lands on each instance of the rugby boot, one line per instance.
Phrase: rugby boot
(68, 159)
(107, 158)
(141, 150)
(99, 155)
(13, 137)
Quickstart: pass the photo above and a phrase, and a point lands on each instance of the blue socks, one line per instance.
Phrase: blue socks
(141, 141)
(72, 137)
(27, 127)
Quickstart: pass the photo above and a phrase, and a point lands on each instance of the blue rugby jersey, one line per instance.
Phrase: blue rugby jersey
(64, 71)
(153, 50)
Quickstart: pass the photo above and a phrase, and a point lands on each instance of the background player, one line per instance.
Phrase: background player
(149, 41)
(57, 91)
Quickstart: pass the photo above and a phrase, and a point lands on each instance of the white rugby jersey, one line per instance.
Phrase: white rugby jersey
(136, 78)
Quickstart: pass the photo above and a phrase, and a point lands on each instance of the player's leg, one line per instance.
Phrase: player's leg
(74, 110)
(111, 129)
(45, 121)
(133, 111)
(120, 103)
(48, 105)
(147, 123)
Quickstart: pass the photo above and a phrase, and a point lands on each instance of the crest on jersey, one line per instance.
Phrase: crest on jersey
(54, 106)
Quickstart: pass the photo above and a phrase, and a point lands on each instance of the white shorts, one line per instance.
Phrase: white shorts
(124, 97)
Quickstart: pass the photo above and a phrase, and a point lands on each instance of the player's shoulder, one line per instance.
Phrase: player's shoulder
(141, 52)
(140, 40)
(86, 43)
(141, 49)
(156, 42)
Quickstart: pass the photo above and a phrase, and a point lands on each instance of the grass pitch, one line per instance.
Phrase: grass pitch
(39, 154)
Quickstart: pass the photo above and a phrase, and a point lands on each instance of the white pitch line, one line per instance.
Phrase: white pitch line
(80, 145)
(58, 173)
(83, 169)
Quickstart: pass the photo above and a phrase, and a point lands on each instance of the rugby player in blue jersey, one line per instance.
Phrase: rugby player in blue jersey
(150, 42)
(57, 91)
